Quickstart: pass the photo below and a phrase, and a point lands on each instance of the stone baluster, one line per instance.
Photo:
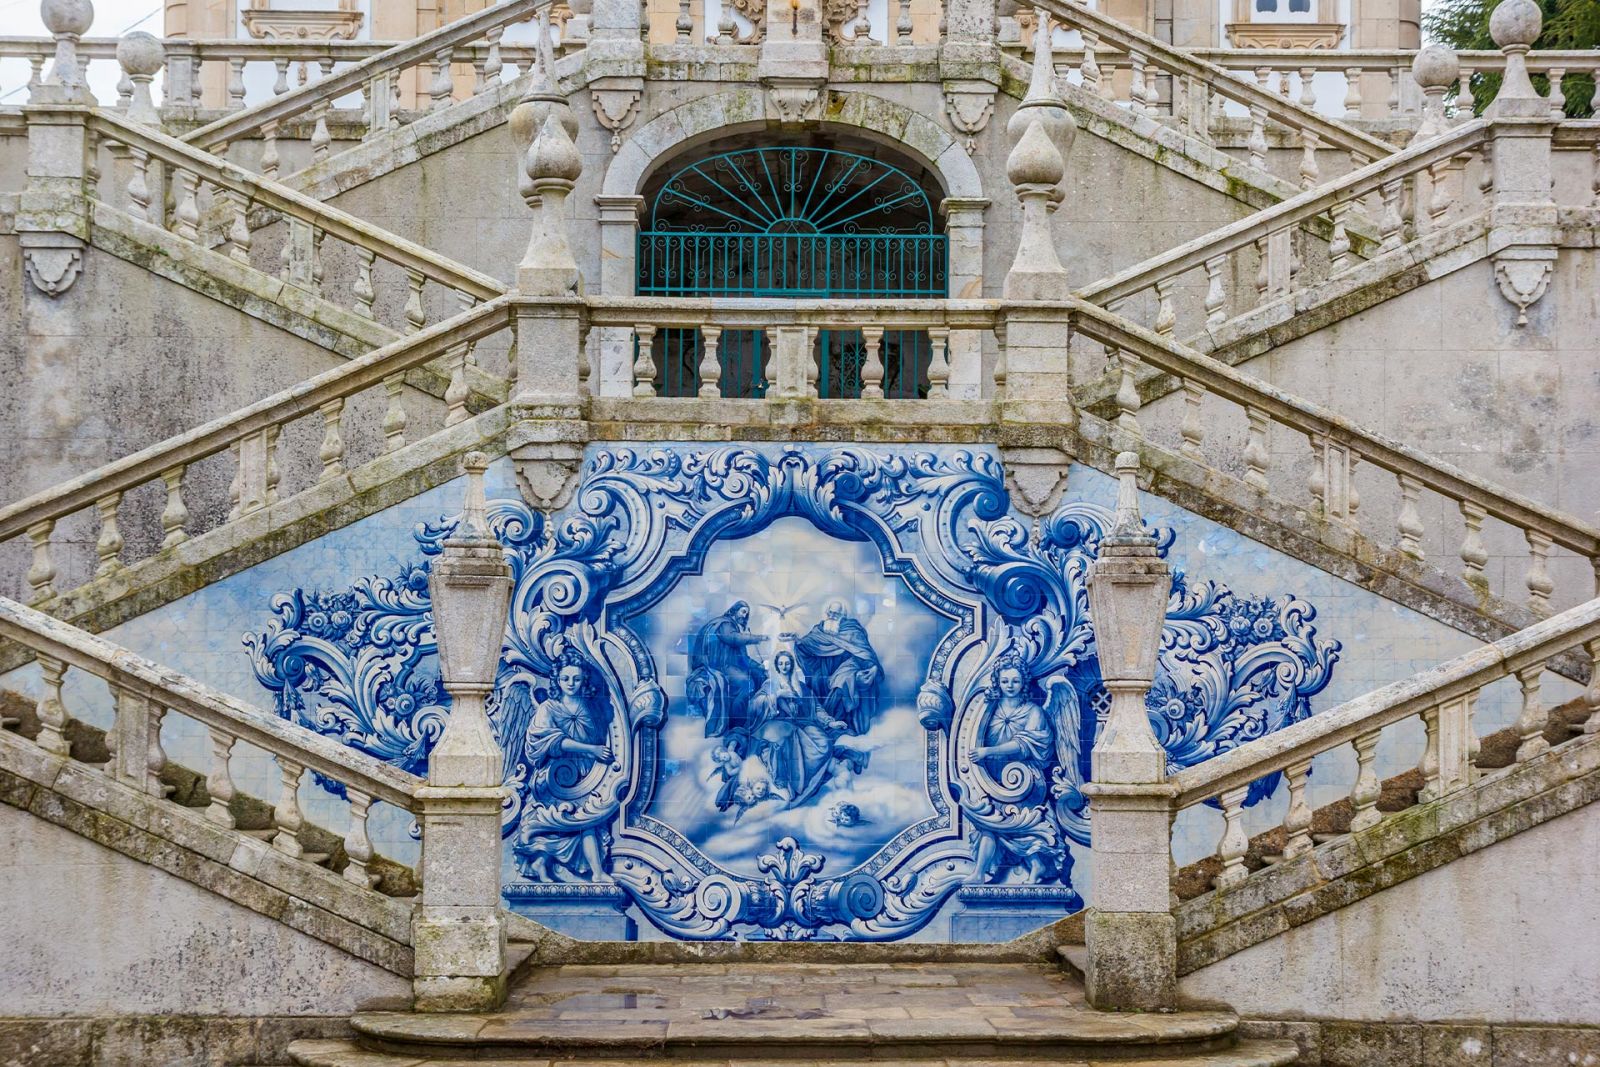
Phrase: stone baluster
(727, 29)
(1136, 85)
(1256, 457)
(238, 225)
(108, 546)
(219, 782)
(357, 843)
(281, 84)
(236, 83)
(1392, 106)
(286, 817)
(1089, 68)
(155, 753)
(1256, 143)
(1166, 314)
(1130, 930)
(415, 312)
(903, 26)
(1409, 521)
(269, 150)
(1108, 81)
(41, 575)
(185, 208)
(1594, 182)
(710, 362)
(493, 69)
(174, 514)
(685, 24)
(1234, 845)
(459, 930)
(1308, 88)
(35, 72)
(49, 710)
(938, 363)
(457, 391)
(1366, 791)
(1126, 364)
(331, 451)
(872, 364)
(139, 185)
(394, 414)
(1216, 301)
(1591, 695)
(644, 362)
(1339, 241)
(1352, 92)
(1464, 105)
(362, 289)
(443, 85)
(1391, 223)
(1193, 428)
(1474, 555)
(1531, 722)
(1310, 173)
(1557, 98)
(321, 139)
(1539, 584)
(1297, 820)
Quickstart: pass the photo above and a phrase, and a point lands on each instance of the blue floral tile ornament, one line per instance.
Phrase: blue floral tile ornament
(793, 691)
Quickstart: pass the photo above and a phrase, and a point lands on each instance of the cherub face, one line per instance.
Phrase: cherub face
(570, 680)
(1010, 682)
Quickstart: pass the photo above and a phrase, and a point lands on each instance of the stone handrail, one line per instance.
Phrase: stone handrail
(794, 328)
(1332, 201)
(253, 435)
(1202, 75)
(1338, 446)
(145, 693)
(1443, 697)
(321, 93)
(190, 169)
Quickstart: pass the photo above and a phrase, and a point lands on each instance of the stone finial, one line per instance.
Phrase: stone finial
(1036, 168)
(550, 168)
(1128, 526)
(1435, 69)
(1043, 103)
(1515, 25)
(474, 507)
(141, 56)
(67, 20)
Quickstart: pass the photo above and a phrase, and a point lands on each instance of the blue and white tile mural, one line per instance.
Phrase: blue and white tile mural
(792, 691)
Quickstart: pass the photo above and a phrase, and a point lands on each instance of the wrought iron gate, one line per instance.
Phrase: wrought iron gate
(792, 222)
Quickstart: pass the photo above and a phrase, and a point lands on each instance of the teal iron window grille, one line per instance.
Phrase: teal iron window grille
(792, 222)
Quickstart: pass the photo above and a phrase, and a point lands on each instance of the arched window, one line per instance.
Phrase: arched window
(792, 221)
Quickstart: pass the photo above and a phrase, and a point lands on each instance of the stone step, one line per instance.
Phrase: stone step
(909, 1011)
(1245, 1054)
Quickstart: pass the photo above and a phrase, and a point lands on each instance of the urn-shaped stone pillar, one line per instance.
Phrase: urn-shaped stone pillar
(459, 931)
(141, 57)
(1130, 929)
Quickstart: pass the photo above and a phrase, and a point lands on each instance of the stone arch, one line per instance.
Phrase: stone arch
(718, 115)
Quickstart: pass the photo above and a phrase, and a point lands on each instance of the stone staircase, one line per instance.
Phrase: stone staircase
(920, 1011)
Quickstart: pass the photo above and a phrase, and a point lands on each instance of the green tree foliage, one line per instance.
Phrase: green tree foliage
(1568, 24)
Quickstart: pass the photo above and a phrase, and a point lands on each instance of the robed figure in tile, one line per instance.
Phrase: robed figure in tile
(842, 669)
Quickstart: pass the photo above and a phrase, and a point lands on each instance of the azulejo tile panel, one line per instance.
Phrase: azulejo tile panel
(791, 691)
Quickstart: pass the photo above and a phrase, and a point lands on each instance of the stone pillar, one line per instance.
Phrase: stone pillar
(963, 228)
(1523, 235)
(611, 373)
(793, 66)
(458, 933)
(1131, 932)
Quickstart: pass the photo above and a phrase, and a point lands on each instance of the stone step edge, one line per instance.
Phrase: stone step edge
(1249, 1053)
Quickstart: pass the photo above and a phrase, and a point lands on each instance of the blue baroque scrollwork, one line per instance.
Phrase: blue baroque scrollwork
(822, 753)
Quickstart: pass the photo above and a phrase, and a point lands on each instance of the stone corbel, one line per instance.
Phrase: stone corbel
(1523, 275)
(793, 101)
(547, 474)
(1035, 478)
(53, 260)
(616, 104)
(970, 105)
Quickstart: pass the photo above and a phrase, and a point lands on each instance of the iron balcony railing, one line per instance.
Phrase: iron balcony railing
(791, 265)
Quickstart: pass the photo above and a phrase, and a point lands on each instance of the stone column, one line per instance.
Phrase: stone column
(1131, 932)
(458, 933)
(1522, 216)
(611, 348)
(963, 228)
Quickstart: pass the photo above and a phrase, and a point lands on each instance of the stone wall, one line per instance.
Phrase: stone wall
(1490, 948)
(104, 960)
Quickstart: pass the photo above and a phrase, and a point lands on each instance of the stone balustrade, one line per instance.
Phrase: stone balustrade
(204, 187)
(1267, 255)
(782, 348)
(146, 695)
(1338, 450)
(1443, 698)
(255, 438)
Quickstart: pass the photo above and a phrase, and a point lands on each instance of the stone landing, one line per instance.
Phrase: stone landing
(771, 1014)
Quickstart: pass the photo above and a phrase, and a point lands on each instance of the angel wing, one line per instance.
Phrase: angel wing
(1063, 713)
(511, 715)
